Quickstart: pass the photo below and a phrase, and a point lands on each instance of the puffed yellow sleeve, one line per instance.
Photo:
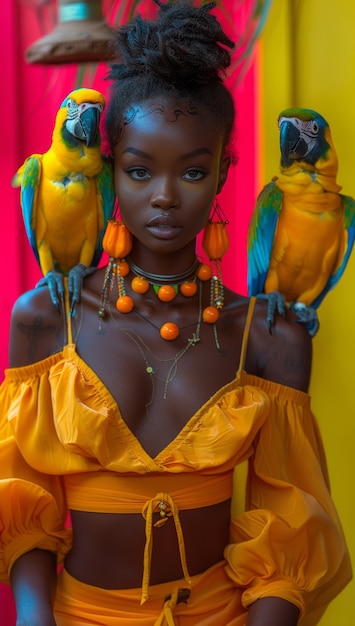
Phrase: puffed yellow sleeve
(289, 542)
(32, 505)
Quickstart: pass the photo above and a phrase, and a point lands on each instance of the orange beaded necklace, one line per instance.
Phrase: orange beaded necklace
(166, 287)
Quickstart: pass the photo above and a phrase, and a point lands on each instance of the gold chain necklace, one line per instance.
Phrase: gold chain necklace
(149, 357)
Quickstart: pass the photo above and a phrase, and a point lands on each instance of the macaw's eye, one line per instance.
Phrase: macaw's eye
(72, 108)
(315, 127)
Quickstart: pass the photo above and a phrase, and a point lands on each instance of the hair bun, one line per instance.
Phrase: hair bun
(186, 43)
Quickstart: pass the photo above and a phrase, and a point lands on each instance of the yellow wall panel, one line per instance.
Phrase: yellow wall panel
(308, 53)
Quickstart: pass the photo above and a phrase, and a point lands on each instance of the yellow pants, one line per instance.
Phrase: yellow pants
(211, 600)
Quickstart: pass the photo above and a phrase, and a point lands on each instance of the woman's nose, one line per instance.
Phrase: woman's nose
(164, 195)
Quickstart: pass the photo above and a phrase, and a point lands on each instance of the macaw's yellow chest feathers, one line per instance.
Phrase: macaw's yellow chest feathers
(68, 227)
(308, 247)
(70, 176)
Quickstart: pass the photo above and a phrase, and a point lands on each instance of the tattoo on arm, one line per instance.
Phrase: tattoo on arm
(35, 333)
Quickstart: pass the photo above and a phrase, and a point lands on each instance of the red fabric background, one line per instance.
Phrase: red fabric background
(30, 98)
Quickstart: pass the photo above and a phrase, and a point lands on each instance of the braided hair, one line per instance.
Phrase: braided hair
(184, 54)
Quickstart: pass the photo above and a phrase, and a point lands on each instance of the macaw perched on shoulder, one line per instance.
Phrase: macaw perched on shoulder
(67, 195)
(302, 229)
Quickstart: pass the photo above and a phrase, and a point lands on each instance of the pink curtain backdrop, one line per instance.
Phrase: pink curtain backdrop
(30, 98)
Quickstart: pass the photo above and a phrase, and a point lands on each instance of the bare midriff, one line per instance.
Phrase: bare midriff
(108, 548)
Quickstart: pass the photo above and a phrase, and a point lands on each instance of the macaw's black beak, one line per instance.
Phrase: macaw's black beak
(87, 126)
(292, 146)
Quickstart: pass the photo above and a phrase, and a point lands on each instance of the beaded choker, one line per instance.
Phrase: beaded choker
(164, 279)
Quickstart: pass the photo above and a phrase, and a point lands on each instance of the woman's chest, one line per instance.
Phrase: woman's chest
(158, 385)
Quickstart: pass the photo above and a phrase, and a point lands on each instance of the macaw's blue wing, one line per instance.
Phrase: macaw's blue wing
(31, 174)
(261, 236)
(106, 199)
(349, 225)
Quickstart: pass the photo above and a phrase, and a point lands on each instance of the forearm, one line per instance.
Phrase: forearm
(33, 582)
(272, 612)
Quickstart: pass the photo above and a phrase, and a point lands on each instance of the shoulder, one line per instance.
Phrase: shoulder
(36, 328)
(284, 354)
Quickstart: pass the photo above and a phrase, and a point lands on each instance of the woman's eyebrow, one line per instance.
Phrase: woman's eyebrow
(137, 152)
(197, 152)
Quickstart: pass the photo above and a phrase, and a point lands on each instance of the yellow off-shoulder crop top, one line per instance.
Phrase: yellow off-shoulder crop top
(63, 443)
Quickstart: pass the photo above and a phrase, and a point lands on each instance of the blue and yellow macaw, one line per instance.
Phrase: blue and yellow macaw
(302, 229)
(67, 194)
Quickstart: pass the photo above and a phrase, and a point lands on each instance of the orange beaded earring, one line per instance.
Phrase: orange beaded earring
(215, 243)
(117, 242)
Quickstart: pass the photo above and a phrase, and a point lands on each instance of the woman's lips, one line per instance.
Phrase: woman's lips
(164, 227)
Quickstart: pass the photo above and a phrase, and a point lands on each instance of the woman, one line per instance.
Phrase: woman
(133, 413)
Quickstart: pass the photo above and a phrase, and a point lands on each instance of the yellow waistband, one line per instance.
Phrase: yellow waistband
(108, 492)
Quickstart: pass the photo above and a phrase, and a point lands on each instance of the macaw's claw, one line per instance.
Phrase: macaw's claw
(75, 283)
(307, 316)
(275, 303)
(54, 281)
